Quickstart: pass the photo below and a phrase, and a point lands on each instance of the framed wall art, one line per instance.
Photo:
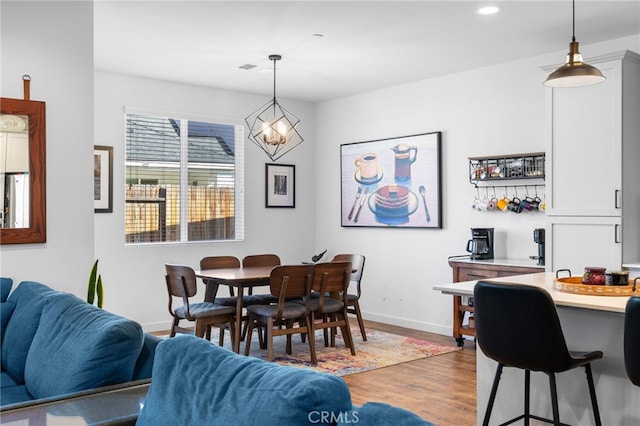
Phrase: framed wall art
(280, 185)
(103, 179)
(395, 182)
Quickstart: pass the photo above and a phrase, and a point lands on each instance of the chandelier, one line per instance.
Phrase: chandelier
(272, 127)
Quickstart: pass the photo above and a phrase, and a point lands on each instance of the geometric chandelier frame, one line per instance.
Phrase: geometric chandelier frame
(272, 127)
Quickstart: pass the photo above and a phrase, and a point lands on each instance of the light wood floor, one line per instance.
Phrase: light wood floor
(440, 389)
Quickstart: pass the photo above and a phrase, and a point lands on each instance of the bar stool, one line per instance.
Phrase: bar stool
(518, 326)
(632, 339)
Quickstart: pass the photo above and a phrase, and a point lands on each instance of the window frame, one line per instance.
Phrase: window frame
(239, 167)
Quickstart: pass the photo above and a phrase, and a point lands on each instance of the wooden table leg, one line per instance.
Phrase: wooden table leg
(210, 290)
(458, 317)
(238, 333)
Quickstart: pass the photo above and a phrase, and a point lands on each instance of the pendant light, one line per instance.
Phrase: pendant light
(574, 73)
(272, 127)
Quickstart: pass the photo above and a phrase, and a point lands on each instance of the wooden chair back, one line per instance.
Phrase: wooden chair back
(219, 262)
(357, 264)
(291, 281)
(261, 260)
(181, 283)
(332, 277)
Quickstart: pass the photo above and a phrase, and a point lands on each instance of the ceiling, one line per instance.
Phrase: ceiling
(365, 45)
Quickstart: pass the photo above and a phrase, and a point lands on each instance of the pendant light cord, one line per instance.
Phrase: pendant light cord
(573, 28)
(274, 79)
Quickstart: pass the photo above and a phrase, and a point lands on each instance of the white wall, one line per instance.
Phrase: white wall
(489, 111)
(53, 42)
(134, 275)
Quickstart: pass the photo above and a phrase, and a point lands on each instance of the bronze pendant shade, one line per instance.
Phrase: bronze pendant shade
(272, 127)
(574, 73)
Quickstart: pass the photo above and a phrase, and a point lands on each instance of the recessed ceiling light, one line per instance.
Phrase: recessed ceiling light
(488, 10)
(317, 35)
(247, 66)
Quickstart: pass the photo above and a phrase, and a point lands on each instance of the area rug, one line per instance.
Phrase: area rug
(380, 350)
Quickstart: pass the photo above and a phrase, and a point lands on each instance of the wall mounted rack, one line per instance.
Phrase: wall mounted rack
(500, 168)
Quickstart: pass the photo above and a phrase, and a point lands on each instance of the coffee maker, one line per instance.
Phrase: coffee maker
(480, 246)
(538, 237)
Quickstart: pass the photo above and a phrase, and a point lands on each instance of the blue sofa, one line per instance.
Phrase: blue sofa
(195, 382)
(54, 344)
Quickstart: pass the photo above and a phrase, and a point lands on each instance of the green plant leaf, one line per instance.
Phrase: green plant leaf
(100, 292)
(91, 290)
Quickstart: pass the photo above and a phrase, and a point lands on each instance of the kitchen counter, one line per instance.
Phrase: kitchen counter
(524, 263)
(588, 323)
(544, 280)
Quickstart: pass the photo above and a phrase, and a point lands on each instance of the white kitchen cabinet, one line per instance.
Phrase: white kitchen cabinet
(574, 242)
(593, 168)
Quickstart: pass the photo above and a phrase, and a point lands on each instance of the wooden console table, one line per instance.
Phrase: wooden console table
(476, 270)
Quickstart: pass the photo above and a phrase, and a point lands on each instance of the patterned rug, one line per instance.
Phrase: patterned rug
(380, 350)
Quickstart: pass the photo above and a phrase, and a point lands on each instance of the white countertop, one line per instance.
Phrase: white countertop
(544, 280)
(529, 263)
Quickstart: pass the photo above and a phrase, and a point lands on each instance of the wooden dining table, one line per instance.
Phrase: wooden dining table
(240, 278)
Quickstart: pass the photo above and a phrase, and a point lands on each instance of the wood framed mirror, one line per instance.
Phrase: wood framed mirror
(22, 171)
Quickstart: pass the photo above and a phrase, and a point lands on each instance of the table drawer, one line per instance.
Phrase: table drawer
(474, 274)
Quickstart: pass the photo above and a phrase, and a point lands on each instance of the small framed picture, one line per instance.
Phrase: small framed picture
(103, 179)
(280, 185)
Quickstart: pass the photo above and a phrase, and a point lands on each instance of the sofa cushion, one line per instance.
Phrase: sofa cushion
(29, 298)
(6, 309)
(379, 413)
(5, 288)
(14, 394)
(78, 346)
(6, 381)
(144, 363)
(196, 382)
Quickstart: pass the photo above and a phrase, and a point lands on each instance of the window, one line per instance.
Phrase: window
(183, 179)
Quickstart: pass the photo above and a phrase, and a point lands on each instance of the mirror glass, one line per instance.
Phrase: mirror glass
(14, 171)
(22, 171)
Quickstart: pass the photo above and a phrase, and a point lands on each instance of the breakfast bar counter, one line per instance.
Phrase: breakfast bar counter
(589, 323)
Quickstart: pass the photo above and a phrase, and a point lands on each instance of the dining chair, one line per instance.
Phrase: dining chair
(260, 260)
(329, 306)
(181, 283)
(285, 318)
(632, 339)
(218, 262)
(518, 326)
(353, 304)
(223, 262)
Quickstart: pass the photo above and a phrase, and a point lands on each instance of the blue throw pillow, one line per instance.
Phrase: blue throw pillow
(78, 346)
(5, 288)
(6, 309)
(197, 382)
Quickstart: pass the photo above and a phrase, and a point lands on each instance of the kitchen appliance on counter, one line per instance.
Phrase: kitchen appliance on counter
(538, 238)
(480, 246)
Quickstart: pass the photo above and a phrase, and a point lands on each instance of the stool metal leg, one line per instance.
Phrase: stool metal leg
(527, 387)
(554, 399)
(592, 393)
(492, 397)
